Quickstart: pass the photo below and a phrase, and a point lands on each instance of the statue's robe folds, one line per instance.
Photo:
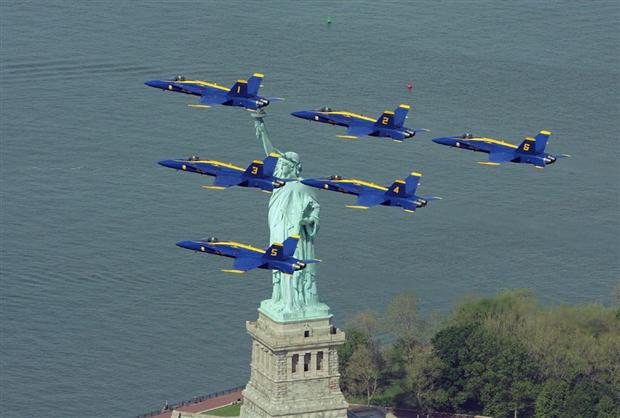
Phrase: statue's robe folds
(294, 210)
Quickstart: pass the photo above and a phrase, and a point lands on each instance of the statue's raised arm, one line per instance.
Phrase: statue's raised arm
(261, 132)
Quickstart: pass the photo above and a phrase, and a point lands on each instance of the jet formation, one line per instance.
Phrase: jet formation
(530, 151)
(388, 125)
(259, 173)
(279, 256)
(244, 93)
(400, 193)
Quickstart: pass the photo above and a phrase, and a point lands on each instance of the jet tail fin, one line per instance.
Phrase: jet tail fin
(400, 114)
(528, 146)
(386, 120)
(240, 88)
(279, 251)
(263, 168)
(254, 83)
(394, 119)
(290, 245)
(412, 181)
(407, 187)
(269, 164)
(541, 141)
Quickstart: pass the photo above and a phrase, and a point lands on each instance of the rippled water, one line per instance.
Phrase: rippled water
(103, 316)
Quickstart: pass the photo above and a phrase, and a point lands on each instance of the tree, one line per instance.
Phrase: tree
(401, 319)
(363, 373)
(582, 400)
(551, 401)
(401, 315)
(354, 339)
(421, 387)
(458, 377)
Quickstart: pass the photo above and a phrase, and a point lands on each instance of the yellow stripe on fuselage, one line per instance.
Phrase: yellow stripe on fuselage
(237, 245)
(349, 114)
(203, 83)
(361, 182)
(218, 163)
(493, 141)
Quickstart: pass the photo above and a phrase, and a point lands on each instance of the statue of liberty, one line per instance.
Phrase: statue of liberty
(293, 210)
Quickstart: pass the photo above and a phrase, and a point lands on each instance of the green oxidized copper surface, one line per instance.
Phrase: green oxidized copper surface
(293, 209)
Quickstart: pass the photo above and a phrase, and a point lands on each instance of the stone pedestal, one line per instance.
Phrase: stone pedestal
(294, 370)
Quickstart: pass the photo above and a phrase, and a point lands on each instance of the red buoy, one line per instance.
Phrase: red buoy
(409, 85)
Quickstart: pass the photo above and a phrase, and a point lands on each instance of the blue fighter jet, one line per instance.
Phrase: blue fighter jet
(531, 151)
(400, 193)
(244, 93)
(389, 125)
(277, 257)
(258, 174)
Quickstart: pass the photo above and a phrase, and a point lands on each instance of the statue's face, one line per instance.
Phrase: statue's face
(289, 165)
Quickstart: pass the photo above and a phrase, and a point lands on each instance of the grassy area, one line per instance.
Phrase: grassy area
(225, 411)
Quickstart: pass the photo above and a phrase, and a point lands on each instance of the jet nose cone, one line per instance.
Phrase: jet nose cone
(444, 141)
(190, 245)
(172, 164)
(304, 114)
(158, 84)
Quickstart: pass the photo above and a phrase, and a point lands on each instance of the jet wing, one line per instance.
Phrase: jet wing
(212, 99)
(370, 199)
(500, 157)
(355, 132)
(225, 181)
(245, 263)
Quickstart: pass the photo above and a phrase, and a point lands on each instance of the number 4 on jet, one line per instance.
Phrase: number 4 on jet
(400, 193)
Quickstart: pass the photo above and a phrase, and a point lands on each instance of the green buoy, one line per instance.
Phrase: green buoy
(329, 20)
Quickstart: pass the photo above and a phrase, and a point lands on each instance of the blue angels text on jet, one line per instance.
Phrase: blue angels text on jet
(401, 193)
(388, 125)
(530, 151)
(258, 174)
(244, 93)
(279, 256)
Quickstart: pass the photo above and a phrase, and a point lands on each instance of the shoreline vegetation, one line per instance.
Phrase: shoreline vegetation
(503, 356)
